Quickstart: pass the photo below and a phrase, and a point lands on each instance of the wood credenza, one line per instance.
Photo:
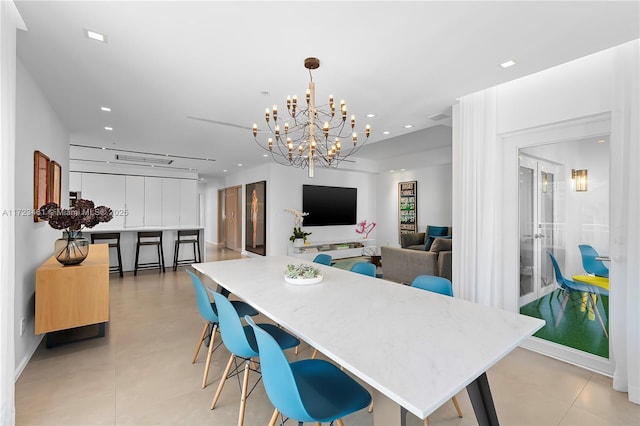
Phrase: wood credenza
(73, 296)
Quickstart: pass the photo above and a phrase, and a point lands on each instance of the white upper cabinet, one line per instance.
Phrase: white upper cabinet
(170, 202)
(106, 190)
(152, 201)
(134, 197)
(75, 181)
(188, 202)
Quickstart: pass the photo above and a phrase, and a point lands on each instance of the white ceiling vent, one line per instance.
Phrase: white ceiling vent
(147, 160)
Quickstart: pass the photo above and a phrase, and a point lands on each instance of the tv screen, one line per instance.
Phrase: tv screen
(329, 205)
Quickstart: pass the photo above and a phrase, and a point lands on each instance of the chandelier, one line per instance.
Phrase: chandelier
(311, 135)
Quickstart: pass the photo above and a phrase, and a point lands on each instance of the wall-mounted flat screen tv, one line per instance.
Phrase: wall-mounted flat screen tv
(329, 205)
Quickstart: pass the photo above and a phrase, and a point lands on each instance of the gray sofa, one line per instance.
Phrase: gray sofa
(404, 264)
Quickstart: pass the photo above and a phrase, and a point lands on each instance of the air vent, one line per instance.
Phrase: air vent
(437, 117)
(148, 160)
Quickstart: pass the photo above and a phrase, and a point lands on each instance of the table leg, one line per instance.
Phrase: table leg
(482, 402)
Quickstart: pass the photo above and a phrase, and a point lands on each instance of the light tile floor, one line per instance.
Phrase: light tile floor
(141, 374)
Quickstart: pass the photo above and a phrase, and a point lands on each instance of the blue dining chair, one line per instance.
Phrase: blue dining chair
(323, 259)
(434, 284)
(240, 340)
(570, 287)
(364, 268)
(590, 263)
(311, 390)
(442, 286)
(209, 314)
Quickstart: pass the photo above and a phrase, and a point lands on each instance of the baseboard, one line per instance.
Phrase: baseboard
(23, 364)
(572, 356)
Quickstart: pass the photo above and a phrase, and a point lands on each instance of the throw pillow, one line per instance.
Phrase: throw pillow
(432, 232)
(441, 244)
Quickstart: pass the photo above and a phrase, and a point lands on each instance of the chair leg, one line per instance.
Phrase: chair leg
(455, 402)
(199, 345)
(209, 353)
(595, 308)
(564, 305)
(175, 256)
(340, 422)
(135, 269)
(222, 380)
(370, 409)
(274, 417)
(243, 397)
(119, 260)
(295, 351)
(426, 421)
(315, 352)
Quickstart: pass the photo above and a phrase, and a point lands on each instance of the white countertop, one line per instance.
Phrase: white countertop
(139, 228)
(417, 348)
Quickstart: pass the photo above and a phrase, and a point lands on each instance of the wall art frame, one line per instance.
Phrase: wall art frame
(54, 186)
(40, 182)
(256, 218)
(408, 206)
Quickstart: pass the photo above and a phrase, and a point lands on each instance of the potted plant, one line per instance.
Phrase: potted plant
(73, 248)
(299, 237)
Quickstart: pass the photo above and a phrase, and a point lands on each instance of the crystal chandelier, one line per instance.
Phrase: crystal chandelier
(313, 135)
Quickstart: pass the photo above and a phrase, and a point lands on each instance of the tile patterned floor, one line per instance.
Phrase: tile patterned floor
(141, 374)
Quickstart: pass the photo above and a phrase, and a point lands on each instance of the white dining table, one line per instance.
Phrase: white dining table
(413, 348)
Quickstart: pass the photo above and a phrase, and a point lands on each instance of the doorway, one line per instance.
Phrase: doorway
(538, 217)
(229, 218)
(556, 216)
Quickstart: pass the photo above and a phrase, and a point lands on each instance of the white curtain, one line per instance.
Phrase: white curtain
(10, 20)
(624, 303)
(477, 166)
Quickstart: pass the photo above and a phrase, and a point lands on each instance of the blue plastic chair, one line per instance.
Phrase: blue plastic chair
(434, 284)
(310, 390)
(240, 340)
(208, 312)
(364, 268)
(590, 263)
(570, 287)
(323, 259)
(442, 286)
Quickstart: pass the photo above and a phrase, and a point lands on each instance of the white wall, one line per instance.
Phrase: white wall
(37, 128)
(284, 190)
(434, 200)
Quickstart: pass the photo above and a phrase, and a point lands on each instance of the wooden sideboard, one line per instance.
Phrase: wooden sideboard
(73, 296)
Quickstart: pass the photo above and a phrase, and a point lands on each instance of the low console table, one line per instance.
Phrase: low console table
(73, 296)
(336, 249)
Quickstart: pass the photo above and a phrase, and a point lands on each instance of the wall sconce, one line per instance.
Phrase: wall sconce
(580, 179)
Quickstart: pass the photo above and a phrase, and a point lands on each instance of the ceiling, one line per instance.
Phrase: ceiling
(174, 72)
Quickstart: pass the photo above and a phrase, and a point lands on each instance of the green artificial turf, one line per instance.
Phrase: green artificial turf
(575, 330)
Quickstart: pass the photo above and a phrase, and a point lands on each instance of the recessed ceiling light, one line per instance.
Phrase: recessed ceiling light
(386, 132)
(106, 109)
(264, 155)
(225, 170)
(96, 36)
(391, 171)
(601, 140)
(108, 128)
(402, 170)
(408, 126)
(371, 115)
(239, 164)
(507, 64)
